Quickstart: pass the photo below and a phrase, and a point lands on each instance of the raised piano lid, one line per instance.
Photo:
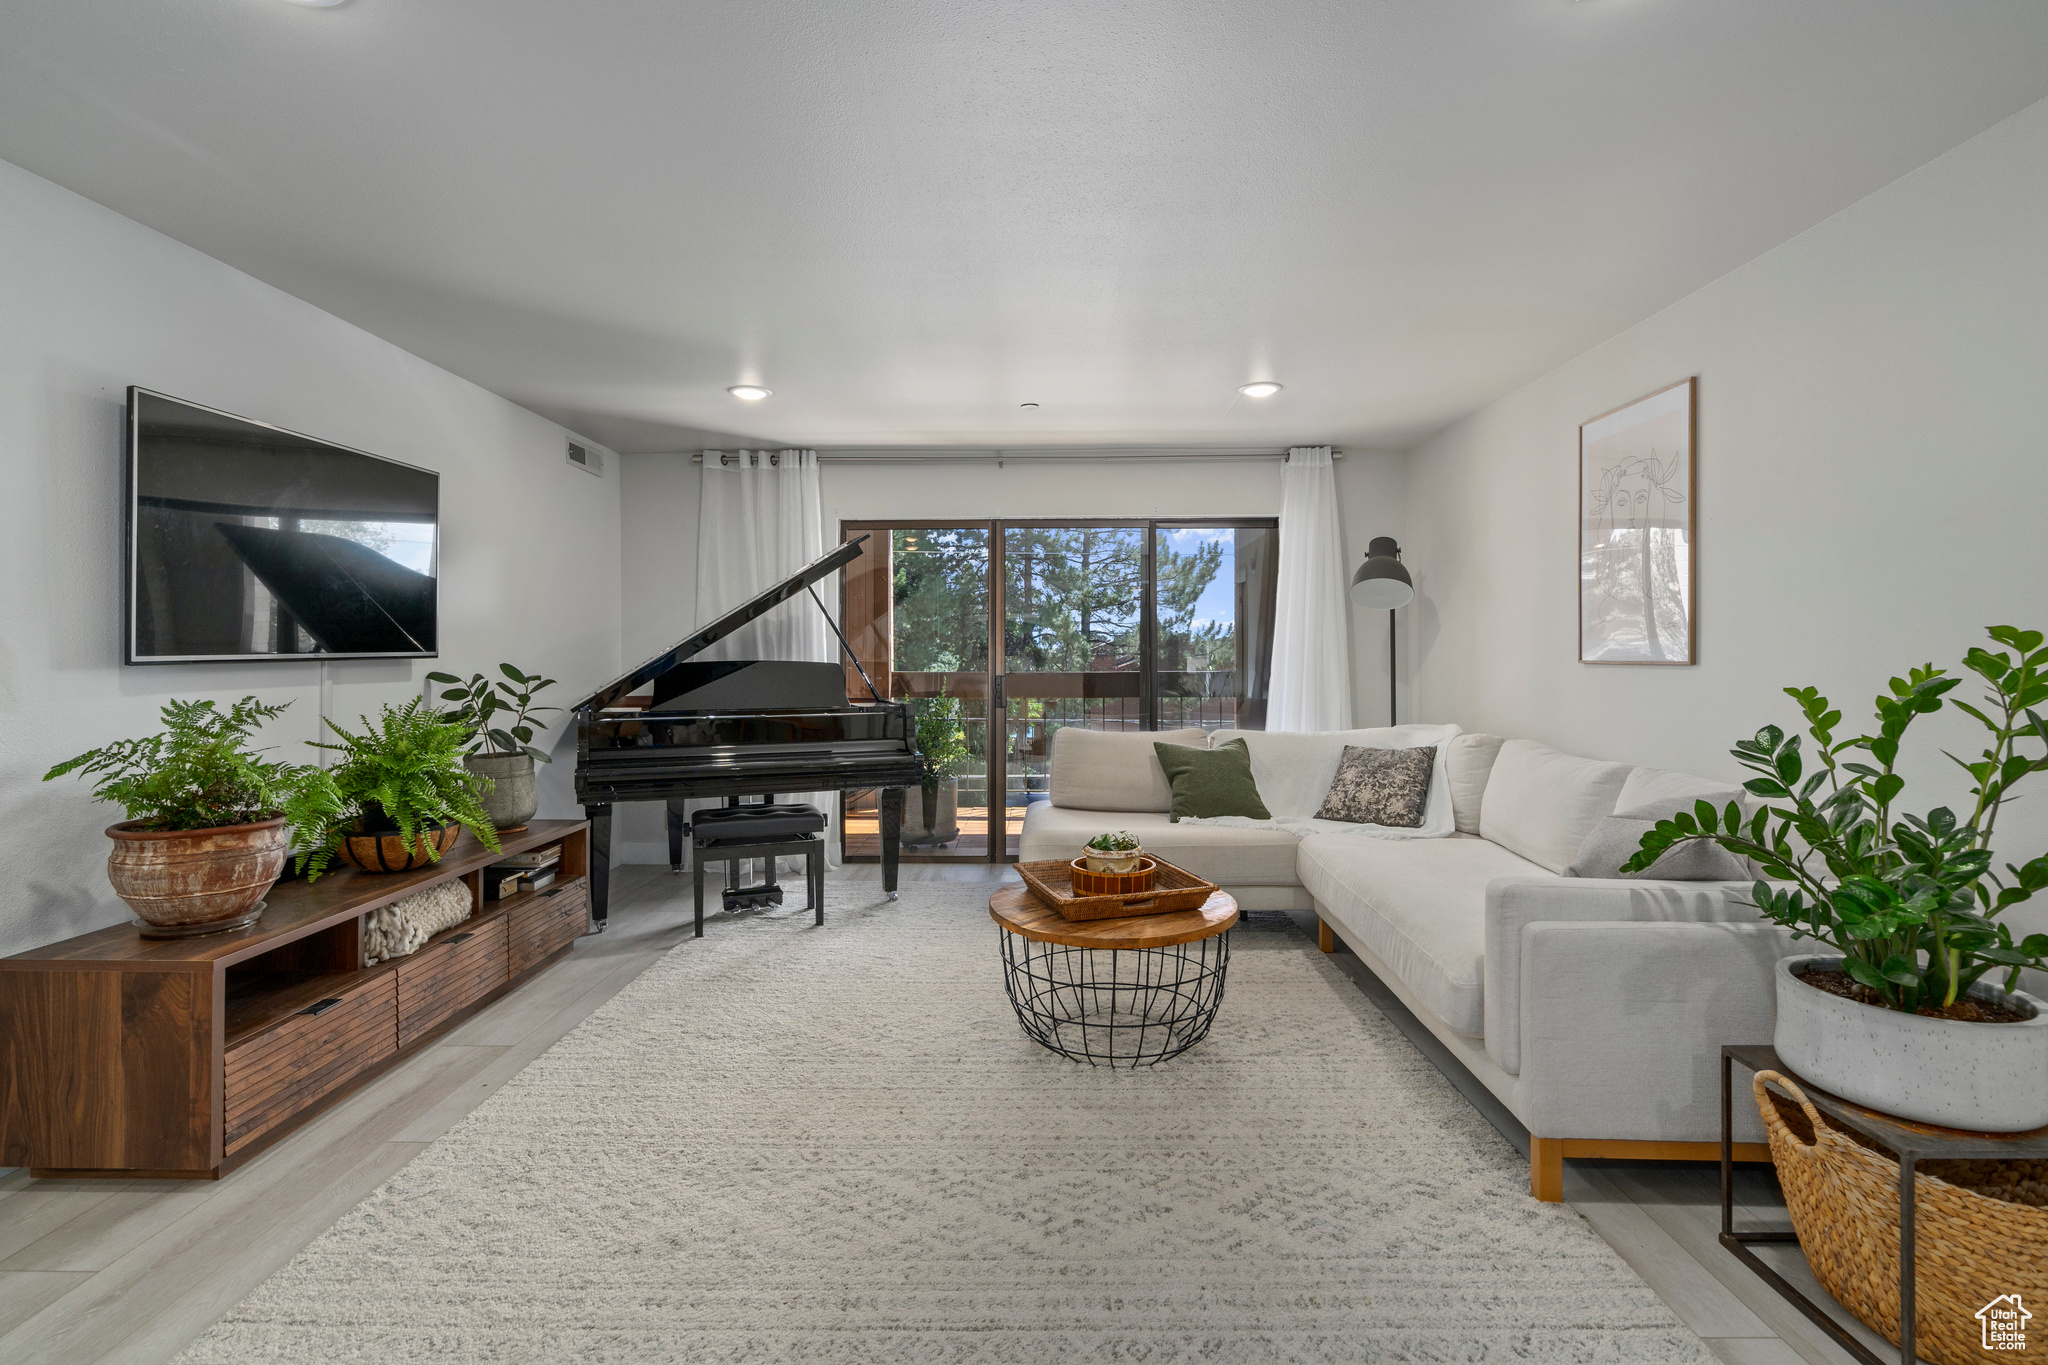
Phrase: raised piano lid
(623, 686)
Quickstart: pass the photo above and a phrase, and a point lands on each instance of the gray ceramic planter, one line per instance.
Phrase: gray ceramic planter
(1988, 1078)
(943, 827)
(514, 798)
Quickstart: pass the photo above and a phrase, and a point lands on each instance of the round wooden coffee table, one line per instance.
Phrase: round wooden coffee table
(1114, 992)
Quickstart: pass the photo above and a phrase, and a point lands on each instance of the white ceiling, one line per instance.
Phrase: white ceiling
(908, 218)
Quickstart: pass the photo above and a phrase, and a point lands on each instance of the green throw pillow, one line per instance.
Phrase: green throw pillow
(1212, 781)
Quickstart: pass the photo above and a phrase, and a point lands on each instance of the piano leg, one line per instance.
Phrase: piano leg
(600, 818)
(814, 878)
(676, 820)
(697, 882)
(892, 834)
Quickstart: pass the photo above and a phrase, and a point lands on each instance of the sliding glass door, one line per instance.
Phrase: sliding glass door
(1214, 602)
(916, 611)
(1005, 631)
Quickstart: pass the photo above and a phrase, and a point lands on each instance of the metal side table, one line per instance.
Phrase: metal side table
(1911, 1142)
(1114, 992)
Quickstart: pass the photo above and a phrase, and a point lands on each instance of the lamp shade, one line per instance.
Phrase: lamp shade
(1382, 582)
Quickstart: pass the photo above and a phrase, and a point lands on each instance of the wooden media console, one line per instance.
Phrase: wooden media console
(127, 1056)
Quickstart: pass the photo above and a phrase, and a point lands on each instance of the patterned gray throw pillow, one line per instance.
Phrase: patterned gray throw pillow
(1381, 787)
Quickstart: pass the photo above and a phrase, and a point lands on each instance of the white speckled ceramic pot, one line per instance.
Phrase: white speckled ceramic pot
(1988, 1078)
(1122, 861)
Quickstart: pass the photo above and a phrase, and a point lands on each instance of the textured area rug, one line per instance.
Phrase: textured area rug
(784, 1143)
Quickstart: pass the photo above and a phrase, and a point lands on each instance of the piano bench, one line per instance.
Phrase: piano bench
(734, 834)
(754, 822)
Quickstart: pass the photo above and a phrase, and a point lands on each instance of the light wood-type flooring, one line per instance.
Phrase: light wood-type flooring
(131, 1270)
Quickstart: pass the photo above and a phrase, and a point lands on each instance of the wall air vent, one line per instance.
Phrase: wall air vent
(587, 458)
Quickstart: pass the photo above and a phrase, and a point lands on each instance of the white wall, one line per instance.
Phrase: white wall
(1873, 467)
(660, 519)
(93, 302)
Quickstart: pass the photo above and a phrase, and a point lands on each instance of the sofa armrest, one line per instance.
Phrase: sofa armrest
(1624, 1023)
(1513, 903)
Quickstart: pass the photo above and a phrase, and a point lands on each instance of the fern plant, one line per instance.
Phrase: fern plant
(404, 768)
(197, 773)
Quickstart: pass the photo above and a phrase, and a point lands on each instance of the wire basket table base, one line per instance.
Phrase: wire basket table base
(1128, 1007)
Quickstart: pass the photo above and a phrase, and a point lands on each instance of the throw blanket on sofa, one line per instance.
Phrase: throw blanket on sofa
(1294, 772)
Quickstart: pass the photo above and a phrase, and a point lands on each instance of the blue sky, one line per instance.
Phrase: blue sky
(1218, 601)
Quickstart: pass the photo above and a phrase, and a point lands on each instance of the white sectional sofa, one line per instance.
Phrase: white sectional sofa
(1594, 1009)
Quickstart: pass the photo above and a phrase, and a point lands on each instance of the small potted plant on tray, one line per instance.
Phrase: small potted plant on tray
(1903, 1013)
(205, 836)
(942, 751)
(1119, 852)
(498, 717)
(398, 799)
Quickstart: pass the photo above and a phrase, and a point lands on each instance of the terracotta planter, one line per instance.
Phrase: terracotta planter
(513, 797)
(382, 851)
(183, 882)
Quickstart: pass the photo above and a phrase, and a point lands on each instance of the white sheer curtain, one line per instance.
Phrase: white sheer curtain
(759, 520)
(1311, 640)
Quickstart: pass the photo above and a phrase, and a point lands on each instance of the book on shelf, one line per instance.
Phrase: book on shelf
(500, 882)
(539, 857)
(540, 881)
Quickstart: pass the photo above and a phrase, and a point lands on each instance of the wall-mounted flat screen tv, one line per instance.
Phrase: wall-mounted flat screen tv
(246, 541)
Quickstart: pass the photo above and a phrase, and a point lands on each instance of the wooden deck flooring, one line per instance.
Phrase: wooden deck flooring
(864, 836)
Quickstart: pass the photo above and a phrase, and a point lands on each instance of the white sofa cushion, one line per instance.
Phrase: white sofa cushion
(1114, 769)
(1541, 803)
(1648, 785)
(1294, 770)
(1226, 856)
(1420, 906)
(1468, 762)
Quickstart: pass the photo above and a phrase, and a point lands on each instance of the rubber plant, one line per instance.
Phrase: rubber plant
(482, 699)
(404, 768)
(1912, 902)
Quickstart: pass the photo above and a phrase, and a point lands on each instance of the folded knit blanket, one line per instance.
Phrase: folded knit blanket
(404, 926)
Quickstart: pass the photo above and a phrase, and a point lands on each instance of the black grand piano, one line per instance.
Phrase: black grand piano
(677, 727)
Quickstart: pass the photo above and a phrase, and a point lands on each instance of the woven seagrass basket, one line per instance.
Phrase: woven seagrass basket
(1980, 1231)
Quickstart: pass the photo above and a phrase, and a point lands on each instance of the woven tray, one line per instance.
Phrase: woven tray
(1174, 890)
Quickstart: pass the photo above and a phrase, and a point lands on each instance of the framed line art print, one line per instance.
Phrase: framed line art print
(1637, 546)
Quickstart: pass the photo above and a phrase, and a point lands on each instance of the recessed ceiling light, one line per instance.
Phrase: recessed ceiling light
(1265, 388)
(752, 393)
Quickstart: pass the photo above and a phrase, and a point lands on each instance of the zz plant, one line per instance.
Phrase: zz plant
(405, 767)
(482, 699)
(1912, 902)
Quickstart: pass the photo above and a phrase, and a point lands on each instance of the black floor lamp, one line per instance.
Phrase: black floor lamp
(1382, 584)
